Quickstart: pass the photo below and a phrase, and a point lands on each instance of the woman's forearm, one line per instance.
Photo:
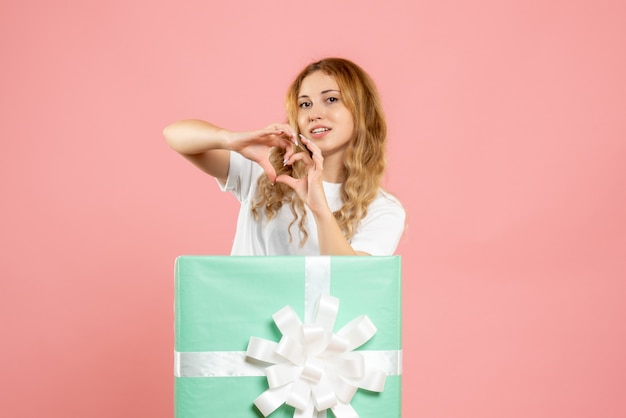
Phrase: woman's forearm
(193, 136)
(330, 236)
(202, 143)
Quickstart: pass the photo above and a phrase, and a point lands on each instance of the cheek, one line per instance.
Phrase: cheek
(348, 120)
(302, 121)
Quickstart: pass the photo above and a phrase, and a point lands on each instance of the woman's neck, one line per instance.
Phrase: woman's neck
(334, 169)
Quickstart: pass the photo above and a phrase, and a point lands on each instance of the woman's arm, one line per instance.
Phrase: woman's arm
(208, 146)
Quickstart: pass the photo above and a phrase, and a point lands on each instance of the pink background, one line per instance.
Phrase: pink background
(507, 147)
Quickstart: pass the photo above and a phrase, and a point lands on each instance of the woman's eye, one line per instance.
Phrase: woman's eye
(332, 99)
(304, 105)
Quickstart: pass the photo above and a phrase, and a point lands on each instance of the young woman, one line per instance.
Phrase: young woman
(310, 186)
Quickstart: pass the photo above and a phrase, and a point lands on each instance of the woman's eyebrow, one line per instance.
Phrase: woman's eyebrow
(323, 92)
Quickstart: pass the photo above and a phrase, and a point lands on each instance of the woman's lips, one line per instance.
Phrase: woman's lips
(319, 132)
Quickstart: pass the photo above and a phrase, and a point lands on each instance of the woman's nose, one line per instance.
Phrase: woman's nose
(315, 114)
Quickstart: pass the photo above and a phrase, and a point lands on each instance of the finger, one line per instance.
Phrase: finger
(275, 138)
(287, 156)
(278, 131)
(288, 180)
(301, 152)
(287, 131)
(317, 158)
(302, 148)
(299, 156)
(269, 170)
(282, 142)
(287, 128)
(310, 146)
(315, 152)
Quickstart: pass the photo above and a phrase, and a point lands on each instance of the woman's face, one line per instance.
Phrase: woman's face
(322, 115)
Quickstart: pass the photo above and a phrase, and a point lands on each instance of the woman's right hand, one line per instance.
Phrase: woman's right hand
(256, 145)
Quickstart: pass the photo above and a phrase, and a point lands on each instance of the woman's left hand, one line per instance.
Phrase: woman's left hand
(309, 188)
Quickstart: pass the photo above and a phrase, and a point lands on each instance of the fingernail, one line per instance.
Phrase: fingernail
(285, 162)
(303, 138)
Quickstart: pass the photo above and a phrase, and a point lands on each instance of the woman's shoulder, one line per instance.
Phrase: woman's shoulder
(385, 197)
(386, 202)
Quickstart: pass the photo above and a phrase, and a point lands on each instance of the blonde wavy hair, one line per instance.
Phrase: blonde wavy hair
(364, 162)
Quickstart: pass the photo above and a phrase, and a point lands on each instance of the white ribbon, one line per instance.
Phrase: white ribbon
(314, 369)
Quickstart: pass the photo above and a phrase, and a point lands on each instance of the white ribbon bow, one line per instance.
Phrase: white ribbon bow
(314, 369)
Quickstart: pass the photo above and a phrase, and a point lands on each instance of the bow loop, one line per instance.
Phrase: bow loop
(358, 331)
(280, 374)
(288, 322)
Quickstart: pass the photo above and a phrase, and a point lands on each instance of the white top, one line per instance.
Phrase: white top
(377, 234)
